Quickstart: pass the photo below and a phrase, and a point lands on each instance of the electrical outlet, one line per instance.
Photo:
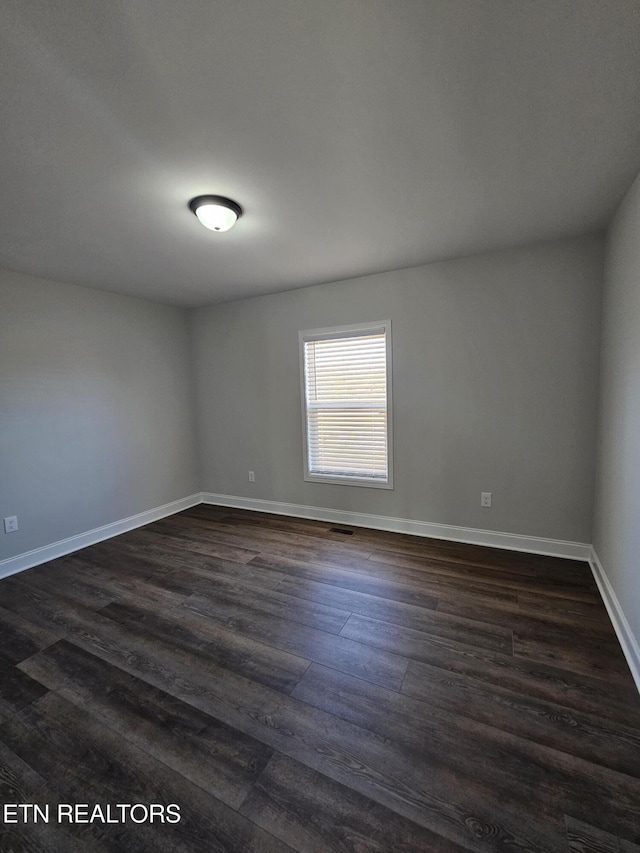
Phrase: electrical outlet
(485, 499)
(252, 476)
(11, 524)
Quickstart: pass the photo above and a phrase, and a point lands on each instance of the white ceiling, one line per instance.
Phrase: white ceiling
(359, 135)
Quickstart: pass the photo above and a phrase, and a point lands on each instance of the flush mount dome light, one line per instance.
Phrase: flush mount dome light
(215, 212)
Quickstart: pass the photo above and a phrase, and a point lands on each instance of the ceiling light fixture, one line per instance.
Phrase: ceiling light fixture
(215, 212)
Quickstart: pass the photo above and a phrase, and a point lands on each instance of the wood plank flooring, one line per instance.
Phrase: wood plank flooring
(293, 688)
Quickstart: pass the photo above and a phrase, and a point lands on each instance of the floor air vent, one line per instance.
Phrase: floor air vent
(341, 530)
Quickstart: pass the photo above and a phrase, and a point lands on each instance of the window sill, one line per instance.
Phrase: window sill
(367, 482)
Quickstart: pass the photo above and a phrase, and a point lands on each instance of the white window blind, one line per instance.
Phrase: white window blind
(346, 401)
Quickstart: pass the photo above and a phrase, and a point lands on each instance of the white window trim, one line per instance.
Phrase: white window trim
(341, 332)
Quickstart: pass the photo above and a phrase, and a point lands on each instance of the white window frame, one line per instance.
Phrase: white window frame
(359, 329)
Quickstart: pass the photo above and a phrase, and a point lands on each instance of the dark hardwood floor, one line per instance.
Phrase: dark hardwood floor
(297, 689)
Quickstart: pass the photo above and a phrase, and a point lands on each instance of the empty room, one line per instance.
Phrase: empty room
(320, 426)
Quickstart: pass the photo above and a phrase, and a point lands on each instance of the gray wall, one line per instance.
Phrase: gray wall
(617, 515)
(495, 385)
(495, 389)
(96, 409)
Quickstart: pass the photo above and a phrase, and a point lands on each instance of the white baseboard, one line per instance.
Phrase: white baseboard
(19, 563)
(509, 541)
(629, 643)
(469, 535)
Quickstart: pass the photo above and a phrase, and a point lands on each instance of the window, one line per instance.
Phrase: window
(346, 402)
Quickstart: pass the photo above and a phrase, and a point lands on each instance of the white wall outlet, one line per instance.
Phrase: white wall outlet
(11, 524)
(252, 476)
(485, 499)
